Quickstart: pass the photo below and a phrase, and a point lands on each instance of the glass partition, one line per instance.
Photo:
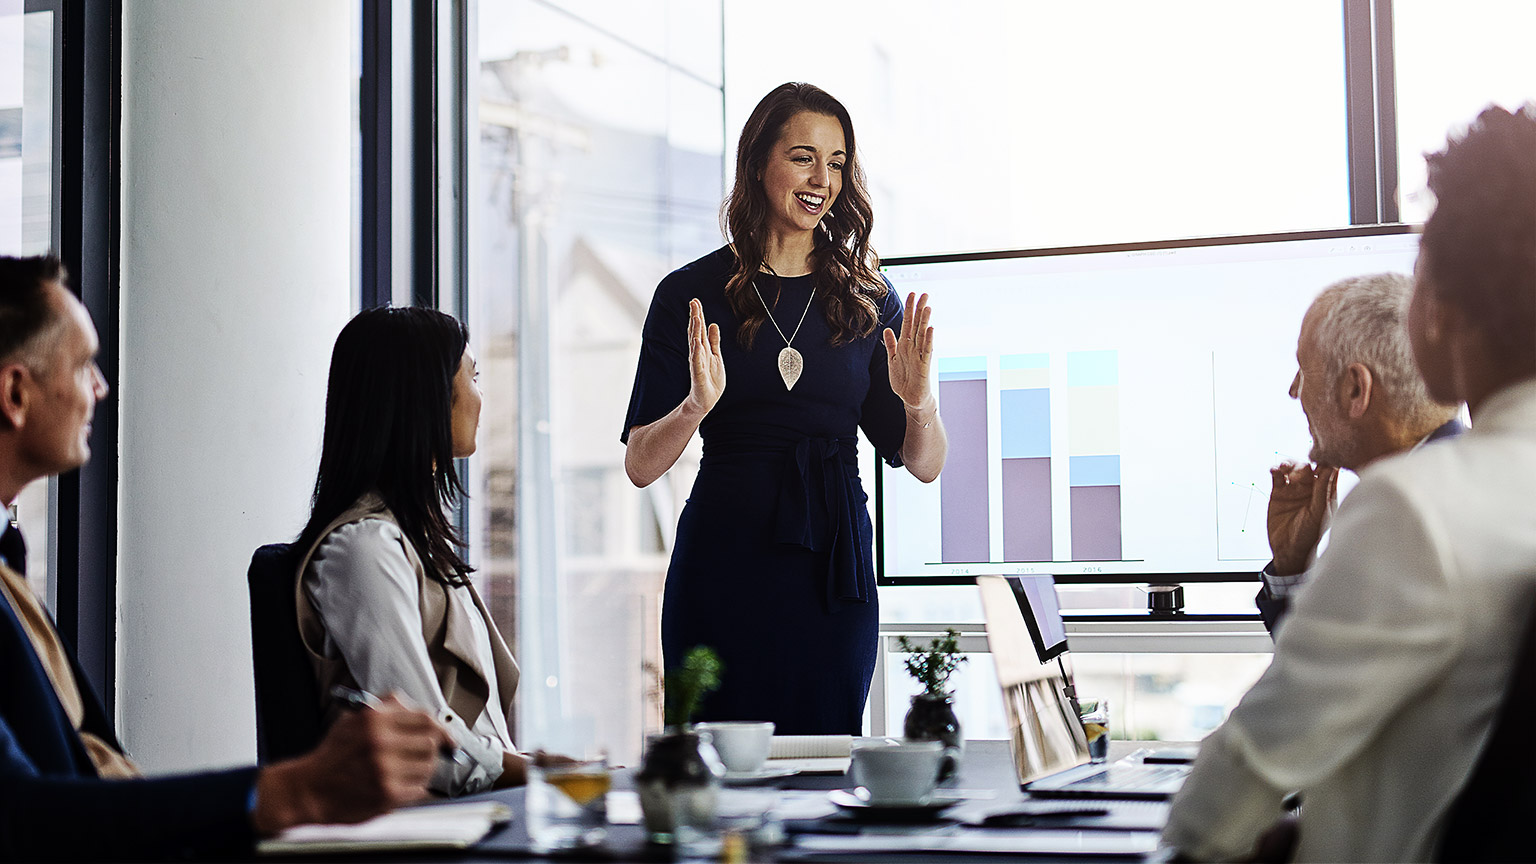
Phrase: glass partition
(26, 208)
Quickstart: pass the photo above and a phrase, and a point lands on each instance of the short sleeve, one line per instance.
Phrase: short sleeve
(661, 378)
(882, 416)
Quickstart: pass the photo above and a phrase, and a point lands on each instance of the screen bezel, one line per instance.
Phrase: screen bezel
(1027, 609)
(884, 579)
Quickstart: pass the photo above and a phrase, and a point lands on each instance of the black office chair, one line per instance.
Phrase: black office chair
(288, 717)
(1487, 820)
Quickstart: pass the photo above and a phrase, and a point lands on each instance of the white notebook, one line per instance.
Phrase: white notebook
(439, 826)
(812, 754)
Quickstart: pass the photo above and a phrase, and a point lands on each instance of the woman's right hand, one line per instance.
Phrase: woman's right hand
(705, 366)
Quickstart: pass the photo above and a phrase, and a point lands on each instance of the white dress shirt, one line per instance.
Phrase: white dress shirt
(364, 589)
(1389, 670)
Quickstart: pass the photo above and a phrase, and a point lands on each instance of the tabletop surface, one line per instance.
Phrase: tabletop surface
(985, 779)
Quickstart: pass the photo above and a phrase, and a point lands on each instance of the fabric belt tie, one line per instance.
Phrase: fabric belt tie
(815, 472)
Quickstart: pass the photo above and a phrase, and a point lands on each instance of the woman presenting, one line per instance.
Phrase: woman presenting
(772, 566)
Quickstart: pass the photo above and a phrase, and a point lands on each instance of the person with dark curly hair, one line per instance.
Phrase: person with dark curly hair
(1393, 664)
(772, 561)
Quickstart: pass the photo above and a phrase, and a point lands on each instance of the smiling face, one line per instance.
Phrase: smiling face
(804, 172)
(466, 405)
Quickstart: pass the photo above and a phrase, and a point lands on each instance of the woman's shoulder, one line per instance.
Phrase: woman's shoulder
(371, 535)
(889, 303)
(712, 270)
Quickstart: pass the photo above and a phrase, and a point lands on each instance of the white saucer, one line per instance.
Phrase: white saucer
(857, 805)
(761, 775)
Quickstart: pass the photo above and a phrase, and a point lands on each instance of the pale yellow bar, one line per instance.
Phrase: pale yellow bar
(1093, 421)
(1024, 379)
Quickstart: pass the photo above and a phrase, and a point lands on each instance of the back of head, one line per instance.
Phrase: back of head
(1363, 319)
(388, 428)
(26, 307)
(1479, 245)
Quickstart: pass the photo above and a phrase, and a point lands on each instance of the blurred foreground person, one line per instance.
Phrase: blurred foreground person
(67, 791)
(1393, 663)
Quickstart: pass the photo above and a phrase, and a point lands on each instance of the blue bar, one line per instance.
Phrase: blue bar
(1026, 361)
(1026, 423)
(1090, 470)
(1093, 369)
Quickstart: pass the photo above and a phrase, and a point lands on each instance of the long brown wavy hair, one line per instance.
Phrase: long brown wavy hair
(843, 264)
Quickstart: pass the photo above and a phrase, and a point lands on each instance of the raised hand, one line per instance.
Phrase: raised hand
(705, 367)
(1301, 500)
(911, 355)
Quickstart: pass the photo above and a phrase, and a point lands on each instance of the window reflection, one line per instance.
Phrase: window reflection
(1158, 697)
(600, 171)
(26, 207)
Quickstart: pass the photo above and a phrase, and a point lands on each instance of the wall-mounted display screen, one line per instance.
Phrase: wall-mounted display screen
(1113, 411)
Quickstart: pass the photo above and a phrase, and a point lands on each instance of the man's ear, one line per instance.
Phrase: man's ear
(1356, 387)
(13, 395)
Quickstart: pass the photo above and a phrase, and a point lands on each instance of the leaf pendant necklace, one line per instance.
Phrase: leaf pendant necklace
(791, 364)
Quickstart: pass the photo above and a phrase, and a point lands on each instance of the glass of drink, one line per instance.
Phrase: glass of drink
(568, 805)
(1095, 716)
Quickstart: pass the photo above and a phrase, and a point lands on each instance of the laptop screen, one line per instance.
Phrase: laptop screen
(1043, 728)
(1042, 612)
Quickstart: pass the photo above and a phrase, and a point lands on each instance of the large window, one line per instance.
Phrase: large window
(603, 134)
(993, 124)
(1452, 60)
(599, 171)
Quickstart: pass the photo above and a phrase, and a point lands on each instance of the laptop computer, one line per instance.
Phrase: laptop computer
(1050, 750)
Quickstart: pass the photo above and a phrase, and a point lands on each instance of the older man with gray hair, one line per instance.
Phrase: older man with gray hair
(1364, 399)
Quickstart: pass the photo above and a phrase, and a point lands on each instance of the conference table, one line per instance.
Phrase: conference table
(985, 780)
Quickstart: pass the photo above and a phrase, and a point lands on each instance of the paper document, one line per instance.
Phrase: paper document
(1037, 842)
(441, 826)
(812, 754)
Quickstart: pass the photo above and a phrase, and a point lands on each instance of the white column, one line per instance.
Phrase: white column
(237, 141)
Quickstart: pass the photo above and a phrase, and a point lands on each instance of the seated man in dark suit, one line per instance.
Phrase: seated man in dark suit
(1364, 399)
(66, 789)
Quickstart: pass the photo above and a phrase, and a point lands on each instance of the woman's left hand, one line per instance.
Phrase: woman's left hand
(910, 355)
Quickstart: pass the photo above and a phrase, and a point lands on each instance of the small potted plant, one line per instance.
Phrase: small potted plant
(679, 778)
(932, 715)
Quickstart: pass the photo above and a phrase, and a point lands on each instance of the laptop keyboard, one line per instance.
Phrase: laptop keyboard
(1119, 778)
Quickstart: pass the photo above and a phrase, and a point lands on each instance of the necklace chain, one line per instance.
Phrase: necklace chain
(789, 340)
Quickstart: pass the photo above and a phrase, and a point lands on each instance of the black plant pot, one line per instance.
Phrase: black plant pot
(678, 782)
(932, 718)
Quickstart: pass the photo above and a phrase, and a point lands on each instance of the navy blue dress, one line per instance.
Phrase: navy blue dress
(773, 562)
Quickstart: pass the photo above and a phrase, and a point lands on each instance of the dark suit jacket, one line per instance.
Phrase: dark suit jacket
(1274, 609)
(52, 804)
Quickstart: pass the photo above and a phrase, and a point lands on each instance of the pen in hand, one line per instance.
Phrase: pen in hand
(354, 699)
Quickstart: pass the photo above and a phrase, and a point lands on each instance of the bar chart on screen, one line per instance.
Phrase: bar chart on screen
(1050, 492)
(1113, 411)
(964, 499)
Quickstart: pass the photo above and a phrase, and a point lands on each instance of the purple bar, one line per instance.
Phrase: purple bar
(1027, 509)
(1095, 523)
(963, 497)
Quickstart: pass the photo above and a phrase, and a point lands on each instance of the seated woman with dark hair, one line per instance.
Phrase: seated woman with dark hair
(384, 598)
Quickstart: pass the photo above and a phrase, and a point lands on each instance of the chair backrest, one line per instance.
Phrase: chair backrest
(1486, 823)
(288, 716)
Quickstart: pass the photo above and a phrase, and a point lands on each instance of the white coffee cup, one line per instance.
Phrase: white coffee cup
(898, 772)
(743, 745)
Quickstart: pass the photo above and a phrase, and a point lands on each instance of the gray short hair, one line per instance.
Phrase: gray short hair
(1363, 319)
